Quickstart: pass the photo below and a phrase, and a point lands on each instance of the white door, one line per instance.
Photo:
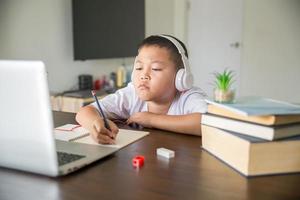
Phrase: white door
(214, 39)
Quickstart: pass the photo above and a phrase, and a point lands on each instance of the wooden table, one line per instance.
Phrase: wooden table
(192, 174)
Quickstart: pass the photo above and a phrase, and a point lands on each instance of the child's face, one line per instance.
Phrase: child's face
(154, 74)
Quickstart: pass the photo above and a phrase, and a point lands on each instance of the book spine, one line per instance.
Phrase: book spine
(254, 130)
(227, 148)
(264, 120)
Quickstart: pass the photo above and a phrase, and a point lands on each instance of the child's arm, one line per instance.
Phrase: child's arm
(188, 124)
(89, 118)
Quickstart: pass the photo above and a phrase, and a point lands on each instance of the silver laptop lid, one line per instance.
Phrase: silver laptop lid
(26, 124)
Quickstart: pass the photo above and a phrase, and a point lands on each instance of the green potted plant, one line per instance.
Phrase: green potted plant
(223, 82)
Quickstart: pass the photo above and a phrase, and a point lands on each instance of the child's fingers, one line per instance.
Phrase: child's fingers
(100, 134)
(114, 129)
(128, 121)
(105, 131)
(94, 134)
(98, 124)
(105, 139)
(101, 138)
(106, 135)
(99, 127)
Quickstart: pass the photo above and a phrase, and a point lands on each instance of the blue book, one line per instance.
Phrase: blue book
(259, 106)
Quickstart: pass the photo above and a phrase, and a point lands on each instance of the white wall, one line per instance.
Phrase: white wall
(166, 17)
(270, 61)
(42, 30)
(159, 17)
(271, 49)
(213, 26)
(180, 22)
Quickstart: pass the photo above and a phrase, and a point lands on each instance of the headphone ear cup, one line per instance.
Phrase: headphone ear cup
(184, 79)
(186, 76)
(188, 81)
(178, 80)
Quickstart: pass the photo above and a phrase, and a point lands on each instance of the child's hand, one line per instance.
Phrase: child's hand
(101, 134)
(141, 118)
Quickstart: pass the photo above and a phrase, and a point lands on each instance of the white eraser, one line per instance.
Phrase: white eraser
(165, 152)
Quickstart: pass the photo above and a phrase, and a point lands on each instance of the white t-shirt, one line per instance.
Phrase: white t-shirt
(125, 102)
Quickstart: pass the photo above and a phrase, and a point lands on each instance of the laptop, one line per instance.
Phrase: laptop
(26, 125)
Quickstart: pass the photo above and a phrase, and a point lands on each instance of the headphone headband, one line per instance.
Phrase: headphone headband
(184, 79)
(176, 43)
(181, 51)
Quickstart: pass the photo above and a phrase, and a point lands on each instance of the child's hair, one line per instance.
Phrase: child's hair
(165, 43)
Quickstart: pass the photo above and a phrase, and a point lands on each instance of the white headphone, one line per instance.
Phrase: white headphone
(184, 79)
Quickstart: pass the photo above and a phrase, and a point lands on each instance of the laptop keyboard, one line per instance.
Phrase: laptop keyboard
(64, 158)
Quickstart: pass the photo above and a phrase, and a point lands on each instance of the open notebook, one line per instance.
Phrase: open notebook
(76, 133)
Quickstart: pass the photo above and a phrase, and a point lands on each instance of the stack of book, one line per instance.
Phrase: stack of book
(255, 136)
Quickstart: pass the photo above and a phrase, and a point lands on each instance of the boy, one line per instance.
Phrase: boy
(160, 95)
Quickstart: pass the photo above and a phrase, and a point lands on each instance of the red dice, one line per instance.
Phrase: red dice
(138, 161)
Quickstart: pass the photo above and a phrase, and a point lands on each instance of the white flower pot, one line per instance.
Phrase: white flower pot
(222, 96)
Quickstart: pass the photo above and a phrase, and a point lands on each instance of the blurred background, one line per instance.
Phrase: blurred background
(259, 39)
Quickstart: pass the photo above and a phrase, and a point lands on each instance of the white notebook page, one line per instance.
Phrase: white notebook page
(124, 138)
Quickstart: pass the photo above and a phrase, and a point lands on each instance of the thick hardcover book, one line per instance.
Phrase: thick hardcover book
(251, 129)
(268, 120)
(252, 156)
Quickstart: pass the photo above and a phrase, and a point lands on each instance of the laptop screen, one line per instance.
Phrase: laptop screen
(26, 137)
